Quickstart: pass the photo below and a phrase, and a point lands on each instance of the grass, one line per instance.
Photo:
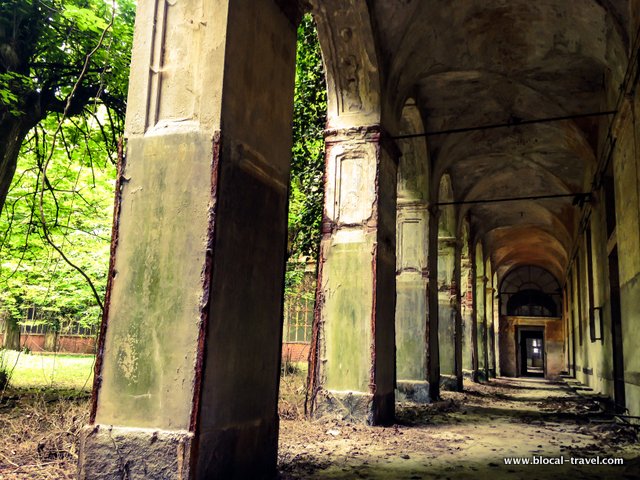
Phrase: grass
(60, 371)
(41, 412)
(47, 403)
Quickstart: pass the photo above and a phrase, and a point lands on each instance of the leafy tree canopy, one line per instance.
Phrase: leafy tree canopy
(50, 49)
(77, 208)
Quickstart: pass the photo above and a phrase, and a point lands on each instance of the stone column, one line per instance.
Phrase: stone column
(489, 329)
(447, 311)
(188, 366)
(495, 328)
(474, 315)
(412, 271)
(433, 352)
(352, 371)
(411, 300)
(457, 305)
(466, 308)
(480, 301)
(487, 304)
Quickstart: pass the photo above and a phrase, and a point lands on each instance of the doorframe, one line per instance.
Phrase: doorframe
(530, 328)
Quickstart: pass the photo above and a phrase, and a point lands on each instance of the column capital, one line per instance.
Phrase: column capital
(374, 133)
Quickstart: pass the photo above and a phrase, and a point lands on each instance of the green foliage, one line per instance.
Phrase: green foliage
(49, 49)
(44, 44)
(78, 207)
(310, 110)
(64, 373)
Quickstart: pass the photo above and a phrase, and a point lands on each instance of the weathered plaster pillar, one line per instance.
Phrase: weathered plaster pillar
(411, 301)
(466, 309)
(495, 327)
(489, 310)
(481, 320)
(486, 322)
(412, 272)
(457, 305)
(433, 353)
(353, 355)
(447, 311)
(187, 374)
(474, 316)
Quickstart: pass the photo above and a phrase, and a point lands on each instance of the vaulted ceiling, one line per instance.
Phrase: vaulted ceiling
(469, 63)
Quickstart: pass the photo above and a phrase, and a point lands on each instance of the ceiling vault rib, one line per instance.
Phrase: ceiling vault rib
(513, 122)
(579, 199)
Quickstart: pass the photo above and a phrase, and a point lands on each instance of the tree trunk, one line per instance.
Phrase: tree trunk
(11, 334)
(13, 131)
(50, 341)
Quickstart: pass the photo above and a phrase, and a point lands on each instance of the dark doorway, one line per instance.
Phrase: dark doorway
(531, 352)
(616, 332)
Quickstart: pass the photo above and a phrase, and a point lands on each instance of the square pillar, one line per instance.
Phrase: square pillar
(447, 312)
(412, 274)
(411, 301)
(187, 374)
(433, 352)
(352, 370)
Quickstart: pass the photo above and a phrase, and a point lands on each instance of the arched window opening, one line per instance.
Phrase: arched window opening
(530, 291)
(531, 303)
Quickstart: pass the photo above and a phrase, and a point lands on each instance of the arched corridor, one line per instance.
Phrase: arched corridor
(481, 221)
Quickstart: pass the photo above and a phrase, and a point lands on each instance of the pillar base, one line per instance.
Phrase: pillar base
(449, 383)
(356, 407)
(108, 452)
(413, 391)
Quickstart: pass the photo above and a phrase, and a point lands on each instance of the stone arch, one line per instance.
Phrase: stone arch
(352, 69)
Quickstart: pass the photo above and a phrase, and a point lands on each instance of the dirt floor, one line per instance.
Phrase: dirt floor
(467, 436)
(38, 433)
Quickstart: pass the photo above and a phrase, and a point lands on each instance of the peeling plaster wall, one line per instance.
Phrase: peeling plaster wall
(594, 358)
(627, 175)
